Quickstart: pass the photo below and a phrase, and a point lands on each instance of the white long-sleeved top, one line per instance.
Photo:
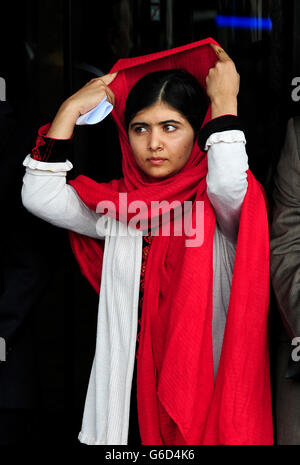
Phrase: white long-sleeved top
(46, 194)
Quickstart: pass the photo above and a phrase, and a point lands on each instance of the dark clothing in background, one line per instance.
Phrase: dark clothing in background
(285, 273)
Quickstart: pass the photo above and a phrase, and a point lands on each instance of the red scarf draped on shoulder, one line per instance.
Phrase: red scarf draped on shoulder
(178, 402)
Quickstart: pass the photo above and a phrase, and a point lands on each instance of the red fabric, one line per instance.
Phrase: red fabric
(146, 249)
(177, 400)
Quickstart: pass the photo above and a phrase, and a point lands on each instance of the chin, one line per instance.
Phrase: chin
(160, 175)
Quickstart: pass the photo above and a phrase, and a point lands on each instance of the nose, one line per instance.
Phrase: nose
(155, 141)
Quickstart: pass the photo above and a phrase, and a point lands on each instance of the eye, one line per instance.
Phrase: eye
(170, 127)
(139, 129)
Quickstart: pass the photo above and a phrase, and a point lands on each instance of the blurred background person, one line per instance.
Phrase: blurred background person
(285, 272)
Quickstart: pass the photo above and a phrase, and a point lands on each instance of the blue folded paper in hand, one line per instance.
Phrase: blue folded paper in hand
(97, 114)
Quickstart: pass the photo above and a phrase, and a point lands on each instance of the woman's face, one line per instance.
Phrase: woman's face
(161, 139)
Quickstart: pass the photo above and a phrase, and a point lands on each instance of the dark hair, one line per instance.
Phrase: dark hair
(177, 88)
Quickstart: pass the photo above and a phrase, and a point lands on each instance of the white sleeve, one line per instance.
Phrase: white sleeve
(227, 178)
(46, 194)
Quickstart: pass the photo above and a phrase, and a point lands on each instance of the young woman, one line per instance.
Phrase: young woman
(194, 381)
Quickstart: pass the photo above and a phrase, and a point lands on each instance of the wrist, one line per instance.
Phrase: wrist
(64, 122)
(222, 106)
(70, 109)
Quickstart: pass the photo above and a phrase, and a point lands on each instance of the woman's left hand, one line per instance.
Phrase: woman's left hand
(222, 84)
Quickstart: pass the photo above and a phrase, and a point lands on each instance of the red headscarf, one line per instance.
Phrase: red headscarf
(178, 402)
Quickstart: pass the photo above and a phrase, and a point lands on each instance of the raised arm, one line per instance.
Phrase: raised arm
(45, 192)
(224, 141)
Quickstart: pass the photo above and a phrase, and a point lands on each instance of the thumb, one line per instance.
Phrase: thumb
(108, 78)
(220, 52)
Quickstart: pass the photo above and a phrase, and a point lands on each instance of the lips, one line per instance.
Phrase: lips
(157, 161)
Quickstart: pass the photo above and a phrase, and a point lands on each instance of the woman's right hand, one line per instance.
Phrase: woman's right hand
(84, 100)
(88, 97)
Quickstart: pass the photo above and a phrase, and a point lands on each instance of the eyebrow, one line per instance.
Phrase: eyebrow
(168, 121)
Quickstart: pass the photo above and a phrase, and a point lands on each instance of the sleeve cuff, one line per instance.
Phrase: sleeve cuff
(219, 124)
(56, 167)
(51, 150)
(228, 136)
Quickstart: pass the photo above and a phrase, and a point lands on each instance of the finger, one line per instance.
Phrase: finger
(220, 52)
(108, 78)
